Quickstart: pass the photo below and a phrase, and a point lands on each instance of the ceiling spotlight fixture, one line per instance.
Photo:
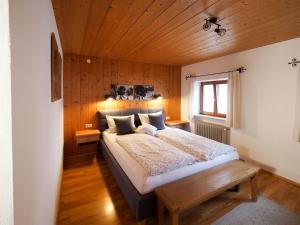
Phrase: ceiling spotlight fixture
(220, 31)
(207, 25)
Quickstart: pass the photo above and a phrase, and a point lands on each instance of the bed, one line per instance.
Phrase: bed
(136, 186)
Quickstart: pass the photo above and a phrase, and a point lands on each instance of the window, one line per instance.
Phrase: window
(213, 98)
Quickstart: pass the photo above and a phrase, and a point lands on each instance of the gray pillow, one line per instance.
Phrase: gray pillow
(123, 126)
(157, 121)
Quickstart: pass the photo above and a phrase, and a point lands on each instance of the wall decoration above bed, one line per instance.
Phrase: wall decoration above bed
(130, 92)
(143, 92)
(122, 92)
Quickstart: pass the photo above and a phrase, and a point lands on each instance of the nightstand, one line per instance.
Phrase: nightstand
(87, 141)
(87, 136)
(181, 124)
(86, 145)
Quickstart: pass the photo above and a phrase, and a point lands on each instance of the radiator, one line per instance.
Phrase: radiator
(212, 131)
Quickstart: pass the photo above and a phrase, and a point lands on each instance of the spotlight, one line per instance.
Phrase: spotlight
(220, 31)
(109, 97)
(157, 96)
(207, 25)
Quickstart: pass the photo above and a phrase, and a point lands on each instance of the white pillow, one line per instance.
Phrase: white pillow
(147, 129)
(111, 123)
(144, 117)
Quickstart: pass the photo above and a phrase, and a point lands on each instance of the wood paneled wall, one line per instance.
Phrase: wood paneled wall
(85, 85)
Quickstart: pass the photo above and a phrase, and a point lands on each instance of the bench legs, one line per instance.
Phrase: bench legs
(253, 183)
(174, 218)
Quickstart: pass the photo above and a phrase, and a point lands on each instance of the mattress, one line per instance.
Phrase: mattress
(138, 175)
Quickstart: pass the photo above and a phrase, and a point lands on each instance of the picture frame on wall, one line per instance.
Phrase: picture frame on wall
(122, 92)
(143, 92)
(56, 70)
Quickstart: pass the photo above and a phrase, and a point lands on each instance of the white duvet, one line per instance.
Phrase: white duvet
(198, 146)
(155, 156)
(140, 178)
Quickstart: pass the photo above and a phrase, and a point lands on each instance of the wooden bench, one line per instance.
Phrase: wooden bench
(188, 192)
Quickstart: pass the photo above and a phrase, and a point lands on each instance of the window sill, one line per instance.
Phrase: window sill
(210, 117)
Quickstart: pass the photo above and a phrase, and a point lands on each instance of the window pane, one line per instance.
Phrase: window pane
(208, 98)
(222, 98)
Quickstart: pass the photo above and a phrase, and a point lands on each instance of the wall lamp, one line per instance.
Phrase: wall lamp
(108, 98)
(207, 25)
(157, 96)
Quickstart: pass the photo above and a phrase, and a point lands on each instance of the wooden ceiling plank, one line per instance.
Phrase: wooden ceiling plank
(115, 14)
(157, 8)
(76, 14)
(137, 9)
(62, 19)
(178, 7)
(80, 21)
(253, 42)
(58, 12)
(199, 39)
(224, 47)
(231, 44)
(181, 21)
(261, 29)
(189, 60)
(230, 47)
(189, 29)
(170, 31)
(95, 20)
(196, 29)
(172, 44)
(190, 33)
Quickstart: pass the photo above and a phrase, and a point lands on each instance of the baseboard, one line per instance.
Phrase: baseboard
(287, 180)
(58, 190)
(270, 170)
(78, 160)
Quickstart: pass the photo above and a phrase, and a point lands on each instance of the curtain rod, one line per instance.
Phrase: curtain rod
(241, 70)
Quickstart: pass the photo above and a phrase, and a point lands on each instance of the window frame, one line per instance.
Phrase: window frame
(214, 83)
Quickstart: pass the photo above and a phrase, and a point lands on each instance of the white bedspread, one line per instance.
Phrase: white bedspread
(155, 156)
(145, 183)
(198, 146)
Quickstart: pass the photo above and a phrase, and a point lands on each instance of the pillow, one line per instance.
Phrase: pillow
(147, 129)
(111, 123)
(157, 121)
(123, 126)
(144, 116)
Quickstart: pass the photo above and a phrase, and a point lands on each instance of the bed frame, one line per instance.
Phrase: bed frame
(143, 206)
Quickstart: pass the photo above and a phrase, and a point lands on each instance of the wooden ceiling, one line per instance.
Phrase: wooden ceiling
(170, 31)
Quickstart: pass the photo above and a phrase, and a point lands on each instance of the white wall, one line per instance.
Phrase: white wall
(6, 185)
(37, 123)
(269, 117)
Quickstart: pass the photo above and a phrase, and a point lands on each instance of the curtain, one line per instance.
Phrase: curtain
(194, 98)
(233, 101)
(191, 98)
(297, 111)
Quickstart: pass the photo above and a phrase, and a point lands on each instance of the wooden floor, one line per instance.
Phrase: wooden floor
(90, 196)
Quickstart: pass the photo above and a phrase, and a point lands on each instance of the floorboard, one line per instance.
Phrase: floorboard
(91, 196)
